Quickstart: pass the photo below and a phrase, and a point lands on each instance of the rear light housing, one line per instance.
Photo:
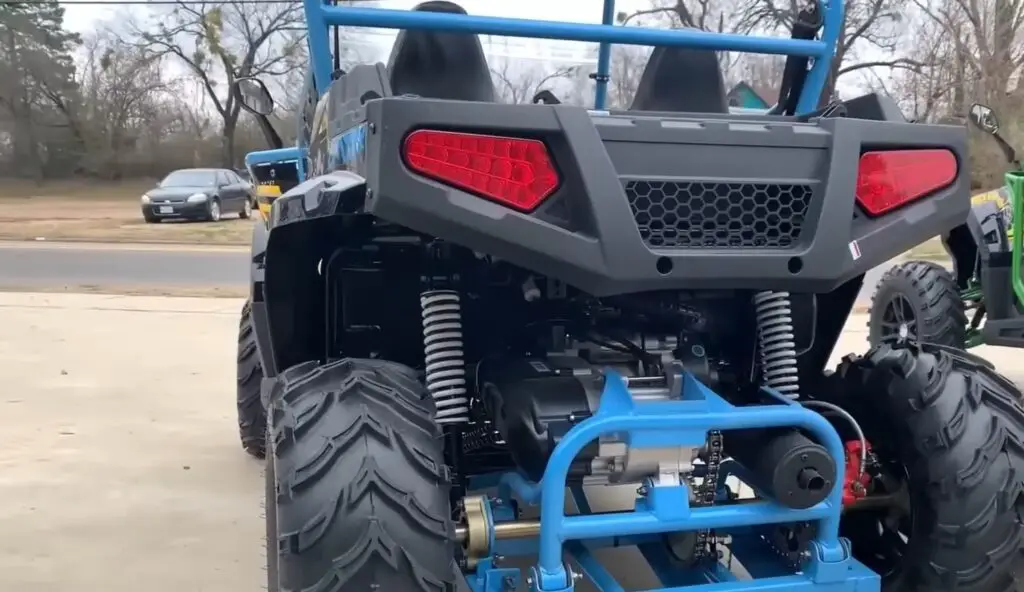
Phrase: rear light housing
(890, 179)
(518, 173)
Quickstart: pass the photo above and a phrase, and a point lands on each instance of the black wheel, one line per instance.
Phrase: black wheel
(149, 218)
(917, 300)
(361, 483)
(247, 209)
(947, 431)
(252, 417)
(213, 213)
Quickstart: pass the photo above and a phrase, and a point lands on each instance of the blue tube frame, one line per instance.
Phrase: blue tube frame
(683, 422)
(320, 16)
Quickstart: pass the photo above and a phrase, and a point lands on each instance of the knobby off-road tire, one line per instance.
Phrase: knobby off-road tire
(956, 427)
(934, 299)
(362, 486)
(270, 519)
(252, 417)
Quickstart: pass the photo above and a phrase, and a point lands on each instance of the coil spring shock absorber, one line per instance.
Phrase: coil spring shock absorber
(777, 342)
(445, 361)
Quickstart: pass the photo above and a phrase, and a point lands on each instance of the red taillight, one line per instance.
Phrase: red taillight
(514, 172)
(890, 179)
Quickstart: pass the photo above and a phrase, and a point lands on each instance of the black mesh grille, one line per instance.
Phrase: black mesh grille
(711, 214)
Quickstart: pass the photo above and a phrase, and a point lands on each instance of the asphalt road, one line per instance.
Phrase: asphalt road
(49, 265)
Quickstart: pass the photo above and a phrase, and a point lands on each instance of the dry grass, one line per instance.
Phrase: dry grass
(103, 213)
(75, 189)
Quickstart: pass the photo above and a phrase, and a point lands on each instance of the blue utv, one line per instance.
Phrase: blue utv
(468, 309)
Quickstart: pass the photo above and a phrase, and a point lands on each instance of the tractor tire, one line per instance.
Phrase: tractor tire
(252, 417)
(954, 428)
(361, 482)
(929, 292)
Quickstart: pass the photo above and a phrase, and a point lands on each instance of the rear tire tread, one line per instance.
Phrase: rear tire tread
(941, 317)
(252, 417)
(965, 428)
(362, 493)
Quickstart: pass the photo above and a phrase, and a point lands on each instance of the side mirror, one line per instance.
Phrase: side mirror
(254, 96)
(984, 118)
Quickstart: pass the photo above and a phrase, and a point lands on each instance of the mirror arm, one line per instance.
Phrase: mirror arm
(269, 133)
(1008, 151)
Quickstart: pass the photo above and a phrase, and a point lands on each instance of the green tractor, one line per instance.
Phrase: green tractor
(980, 300)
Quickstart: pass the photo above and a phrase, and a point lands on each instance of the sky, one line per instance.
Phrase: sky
(84, 19)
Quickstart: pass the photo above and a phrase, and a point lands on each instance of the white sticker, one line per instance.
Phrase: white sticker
(854, 250)
(539, 366)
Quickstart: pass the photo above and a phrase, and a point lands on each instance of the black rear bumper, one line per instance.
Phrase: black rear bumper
(774, 198)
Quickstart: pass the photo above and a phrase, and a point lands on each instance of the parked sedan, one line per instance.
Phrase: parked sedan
(198, 194)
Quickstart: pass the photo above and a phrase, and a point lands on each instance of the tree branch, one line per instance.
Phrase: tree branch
(904, 63)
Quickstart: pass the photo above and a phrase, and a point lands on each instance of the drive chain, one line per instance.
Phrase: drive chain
(706, 547)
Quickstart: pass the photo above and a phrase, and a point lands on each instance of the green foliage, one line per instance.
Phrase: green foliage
(37, 83)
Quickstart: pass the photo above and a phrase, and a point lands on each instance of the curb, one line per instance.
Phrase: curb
(117, 242)
(124, 246)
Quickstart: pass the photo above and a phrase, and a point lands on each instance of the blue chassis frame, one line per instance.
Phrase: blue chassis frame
(686, 422)
(661, 509)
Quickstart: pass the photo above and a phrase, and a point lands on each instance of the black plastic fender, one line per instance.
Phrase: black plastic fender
(306, 227)
(995, 260)
(988, 228)
(973, 244)
(261, 328)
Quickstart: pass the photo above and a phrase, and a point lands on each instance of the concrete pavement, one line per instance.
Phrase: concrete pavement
(50, 265)
(120, 468)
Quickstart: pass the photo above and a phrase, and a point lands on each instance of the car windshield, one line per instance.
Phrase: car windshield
(190, 179)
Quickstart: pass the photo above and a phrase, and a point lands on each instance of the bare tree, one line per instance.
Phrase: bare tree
(122, 88)
(220, 43)
(987, 39)
(707, 15)
(519, 85)
(877, 24)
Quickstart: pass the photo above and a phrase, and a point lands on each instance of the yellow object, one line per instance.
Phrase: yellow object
(1001, 198)
(265, 195)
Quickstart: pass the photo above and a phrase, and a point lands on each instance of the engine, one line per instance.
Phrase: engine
(535, 401)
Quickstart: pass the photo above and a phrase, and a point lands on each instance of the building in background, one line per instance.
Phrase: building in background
(743, 95)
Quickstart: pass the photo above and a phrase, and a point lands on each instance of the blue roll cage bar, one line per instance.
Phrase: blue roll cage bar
(320, 16)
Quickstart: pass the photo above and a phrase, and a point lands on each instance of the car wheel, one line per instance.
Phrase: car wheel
(149, 217)
(246, 212)
(213, 210)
